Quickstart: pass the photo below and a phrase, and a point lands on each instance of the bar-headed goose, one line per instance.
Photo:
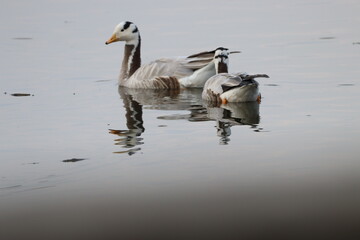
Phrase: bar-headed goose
(165, 73)
(225, 87)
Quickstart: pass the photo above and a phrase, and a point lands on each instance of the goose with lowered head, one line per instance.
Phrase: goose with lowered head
(164, 73)
(225, 87)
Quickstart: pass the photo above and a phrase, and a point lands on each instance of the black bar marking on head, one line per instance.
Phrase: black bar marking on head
(221, 48)
(221, 56)
(127, 24)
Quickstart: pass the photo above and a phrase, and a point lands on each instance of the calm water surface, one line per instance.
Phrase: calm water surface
(80, 158)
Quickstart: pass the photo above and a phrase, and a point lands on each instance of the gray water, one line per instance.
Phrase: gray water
(82, 159)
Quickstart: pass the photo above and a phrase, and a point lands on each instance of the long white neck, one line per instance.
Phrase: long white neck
(132, 59)
(199, 77)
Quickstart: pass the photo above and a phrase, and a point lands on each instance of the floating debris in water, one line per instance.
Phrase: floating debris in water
(104, 80)
(271, 85)
(346, 85)
(22, 38)
(31, 163)
(354, 43)
(327, 38)
(73, 160)
(162, 125)
(129, 152)
(21, 94)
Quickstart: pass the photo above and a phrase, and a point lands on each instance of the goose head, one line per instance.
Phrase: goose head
(125, 31)
(221, 60)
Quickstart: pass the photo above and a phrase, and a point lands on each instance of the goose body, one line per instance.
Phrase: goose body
(225, 87)
(165, 73)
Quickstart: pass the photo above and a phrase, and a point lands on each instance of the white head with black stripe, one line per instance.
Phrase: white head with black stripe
(125, 31)
(221, 60)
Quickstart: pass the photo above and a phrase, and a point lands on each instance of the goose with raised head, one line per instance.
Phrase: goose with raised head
(164, 73)
(225, 87)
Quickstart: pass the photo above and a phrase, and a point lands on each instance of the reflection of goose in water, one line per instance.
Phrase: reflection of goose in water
(134, 122)
(136, 99)
(225, 116)
(232, 114)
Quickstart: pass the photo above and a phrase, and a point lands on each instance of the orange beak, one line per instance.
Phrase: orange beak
(112, 39)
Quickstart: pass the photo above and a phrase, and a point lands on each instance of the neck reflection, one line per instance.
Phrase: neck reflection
(130, 138)
(225, 116)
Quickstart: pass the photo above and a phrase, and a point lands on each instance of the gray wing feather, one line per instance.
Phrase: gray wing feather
(246, 76)
(153, 74)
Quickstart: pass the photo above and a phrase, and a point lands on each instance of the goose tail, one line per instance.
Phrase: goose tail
(245, 76)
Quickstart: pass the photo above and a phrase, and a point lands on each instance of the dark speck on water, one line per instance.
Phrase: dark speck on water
(103, 80)
(31, 163)
(73, 160)
(354, 43)
(21, 94)
(327, 38)
(129, 152)
(271, 85)
(346, 85)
